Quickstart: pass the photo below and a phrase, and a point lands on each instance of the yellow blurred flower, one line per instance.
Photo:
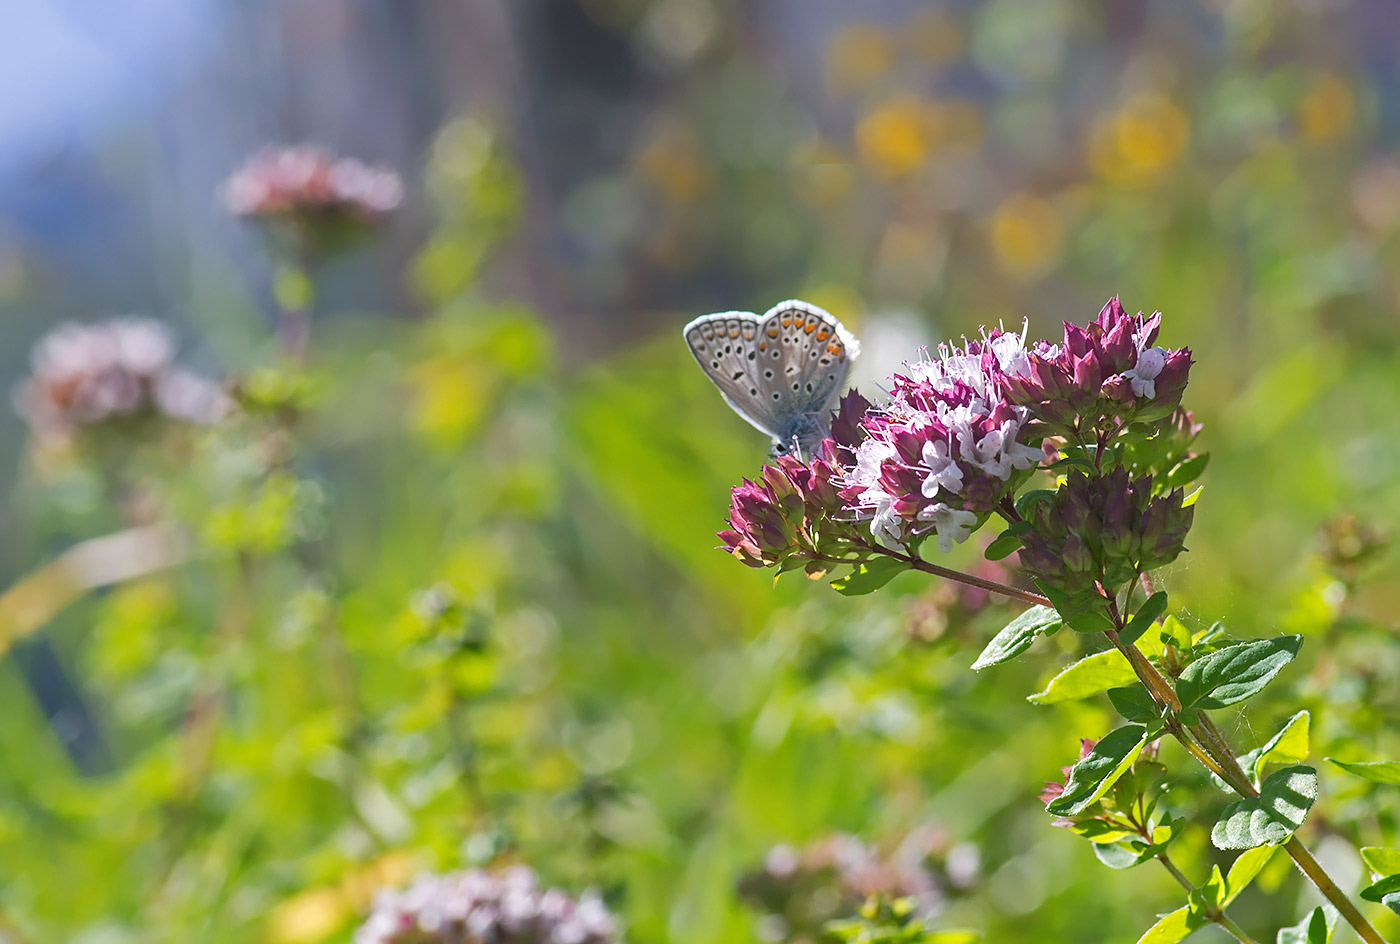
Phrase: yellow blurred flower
(856, 56)
(1025, 233)
(1326, 108)
(449, 397)
(896, 137)
(1136, 144)
(317, 913)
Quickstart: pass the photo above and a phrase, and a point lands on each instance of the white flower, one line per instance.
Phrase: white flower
(1143, 374)
(944, 472)
(885, 522)
(1010, 351)
(952, 525)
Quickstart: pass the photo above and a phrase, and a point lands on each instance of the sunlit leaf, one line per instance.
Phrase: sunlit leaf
(1245, 869)
(1089, 676)
(1380, 771)
(1176, 926)
(1016, 637)
(1092, 777)
(1273, 816)
(1232, 674)
(1288, 746)
(869, 576)
(1381, 860)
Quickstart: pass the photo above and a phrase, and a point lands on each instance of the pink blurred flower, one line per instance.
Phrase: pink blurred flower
(309, 197)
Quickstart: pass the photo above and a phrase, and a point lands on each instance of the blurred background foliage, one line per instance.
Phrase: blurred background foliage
(447, 593)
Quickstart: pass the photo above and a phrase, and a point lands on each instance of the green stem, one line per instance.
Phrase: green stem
(1205, 743)
(1217, 915)
(1214, 742)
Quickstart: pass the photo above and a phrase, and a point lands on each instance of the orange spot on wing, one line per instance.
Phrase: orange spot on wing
(811, 326)
(823, 334)
(772, 332)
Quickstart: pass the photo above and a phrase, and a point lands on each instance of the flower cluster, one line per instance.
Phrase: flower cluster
(313, 200)
(1103, 530)
(961, 432)
(801, 890)
(793, 510)
(88, 375)
(474, 907)
(1107, 369)
(947, 447)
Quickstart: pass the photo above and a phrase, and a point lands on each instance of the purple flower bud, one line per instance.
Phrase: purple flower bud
(1076, 555)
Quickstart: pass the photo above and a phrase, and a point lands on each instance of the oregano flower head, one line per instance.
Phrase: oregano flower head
(1109, 368)
(947, 446)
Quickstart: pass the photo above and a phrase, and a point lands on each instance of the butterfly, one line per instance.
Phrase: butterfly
(782, 370)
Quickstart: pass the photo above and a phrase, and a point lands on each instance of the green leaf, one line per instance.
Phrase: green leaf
(1288, 746)
(1209, 895)
(1316, 928)
(1381, 771)
(1007, 542)
(1099, 832)
(1089, 676)
(1134, 704)
(1147, 614)
(1381, 860)
(1016, 637)
(1174, 927)
(869, 576)
(1244, 869)
(1190, 500)
(1232, 674)
(1188, 471)
(1174, 633)
(1094, 775)
(1090, 620)
(1271, 817)
(1119, 856)
(1390, 885)
(1033, 497)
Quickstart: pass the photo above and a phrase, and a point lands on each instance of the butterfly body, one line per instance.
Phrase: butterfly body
(782, 371)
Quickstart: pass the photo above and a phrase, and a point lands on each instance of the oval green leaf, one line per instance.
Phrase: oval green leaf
(1237, 672)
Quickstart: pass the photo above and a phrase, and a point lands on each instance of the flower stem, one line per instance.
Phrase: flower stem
(991, 586)
(1302, 857)
(1205, 743)
(1218, 916)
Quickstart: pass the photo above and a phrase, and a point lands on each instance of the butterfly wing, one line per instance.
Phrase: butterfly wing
(782, 372)
(726, 345)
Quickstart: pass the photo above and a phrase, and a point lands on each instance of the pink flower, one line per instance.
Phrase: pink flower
(311, 200)
(1107, 369)
(947, 447)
